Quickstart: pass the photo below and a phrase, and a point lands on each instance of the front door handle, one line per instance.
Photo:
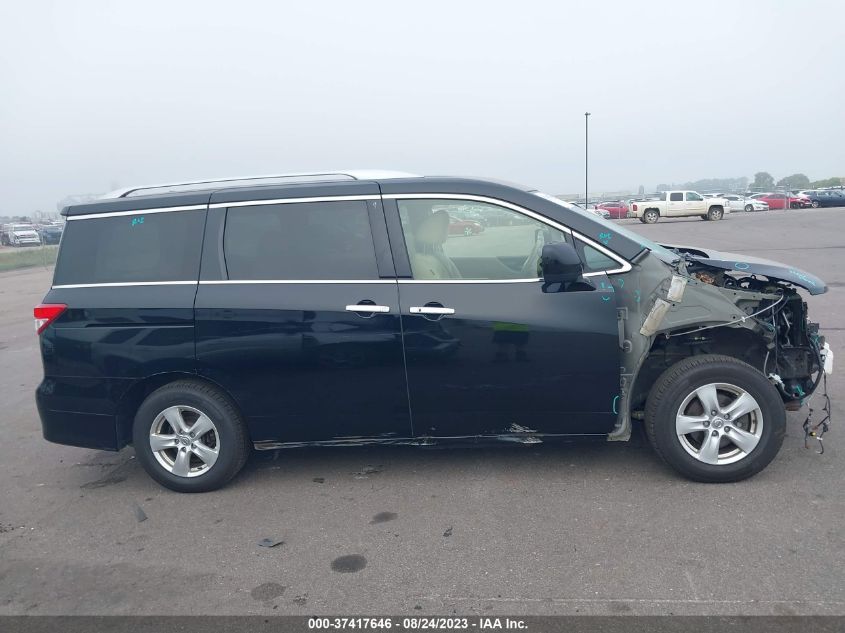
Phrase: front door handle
(440, 310)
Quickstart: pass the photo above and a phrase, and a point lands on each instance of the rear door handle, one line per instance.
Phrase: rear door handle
(367, 307)
(431, 310)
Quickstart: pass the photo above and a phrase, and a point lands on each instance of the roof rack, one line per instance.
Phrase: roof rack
(361, 174)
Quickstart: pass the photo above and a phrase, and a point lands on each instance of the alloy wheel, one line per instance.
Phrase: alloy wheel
(184, 441)
(719, 423)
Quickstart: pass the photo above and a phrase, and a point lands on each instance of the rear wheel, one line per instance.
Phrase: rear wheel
(715, 419)
(468, 231)
(651, 216)
(189, 437)
(715, 213)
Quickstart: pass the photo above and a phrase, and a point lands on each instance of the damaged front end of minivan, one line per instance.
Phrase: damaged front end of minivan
(706, 302)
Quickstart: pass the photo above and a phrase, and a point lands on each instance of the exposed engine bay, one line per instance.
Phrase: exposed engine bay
(792, 343)
(768, 329)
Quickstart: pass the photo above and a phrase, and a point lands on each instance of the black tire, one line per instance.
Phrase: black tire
(749, 208)
(234, 443)
(680, 381)
(651, 216)
(715, 213)
(815, 204)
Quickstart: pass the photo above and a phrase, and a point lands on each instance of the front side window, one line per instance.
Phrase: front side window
(148, 247)
(676, 197)
(459, 239)
(693, 197)
(300, 241)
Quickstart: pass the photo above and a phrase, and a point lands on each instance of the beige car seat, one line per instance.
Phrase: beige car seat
(428, 261)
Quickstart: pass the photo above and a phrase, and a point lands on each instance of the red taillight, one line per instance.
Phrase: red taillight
(45, 314)
(634, 207)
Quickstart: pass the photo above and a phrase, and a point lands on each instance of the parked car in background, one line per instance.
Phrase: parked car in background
(464, 227)
(471, 215)
(741, 203)
(20, 235)
(678, 204)
(783, 201)
(602, 213)
(617, 210)
(829, 198)
(51, 233)
(804, 201)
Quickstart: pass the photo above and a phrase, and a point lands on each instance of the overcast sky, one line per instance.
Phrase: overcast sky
(101, 94)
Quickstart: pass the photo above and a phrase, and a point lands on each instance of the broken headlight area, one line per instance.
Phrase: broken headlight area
(790, 344)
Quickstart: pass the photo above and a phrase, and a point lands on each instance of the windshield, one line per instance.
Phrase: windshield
(663, 253)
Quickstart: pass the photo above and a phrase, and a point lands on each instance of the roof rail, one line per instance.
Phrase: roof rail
(361, 174)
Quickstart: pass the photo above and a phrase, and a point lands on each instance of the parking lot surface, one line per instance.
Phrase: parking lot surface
(539, 529)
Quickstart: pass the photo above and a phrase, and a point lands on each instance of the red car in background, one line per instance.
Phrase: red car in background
(464, 227)
(617, 210)
(782, 201)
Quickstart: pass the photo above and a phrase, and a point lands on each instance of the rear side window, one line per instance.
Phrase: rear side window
(137, 248)
(676, 197)
(307, 240)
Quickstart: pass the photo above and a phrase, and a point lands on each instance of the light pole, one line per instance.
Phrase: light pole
(587, 160)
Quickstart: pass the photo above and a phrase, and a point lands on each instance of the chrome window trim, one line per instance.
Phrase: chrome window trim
(256, 203)
(116, 214)
(624, 265)
(219, 282)
(126, 284)
(222, 205)
(525, 280)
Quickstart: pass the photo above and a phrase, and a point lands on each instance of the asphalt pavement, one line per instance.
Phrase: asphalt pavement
(591, 528)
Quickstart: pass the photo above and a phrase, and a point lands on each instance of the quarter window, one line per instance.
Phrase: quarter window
(137, 248)
(309, 240)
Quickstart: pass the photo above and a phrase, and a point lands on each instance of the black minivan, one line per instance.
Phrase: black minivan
(201, 320)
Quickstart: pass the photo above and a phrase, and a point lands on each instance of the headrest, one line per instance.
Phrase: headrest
(433, 230)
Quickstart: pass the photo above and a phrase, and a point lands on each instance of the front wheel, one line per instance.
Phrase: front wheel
(715, 419)
(815, 204)
(749, 208)
(715, 213)
(189, 437)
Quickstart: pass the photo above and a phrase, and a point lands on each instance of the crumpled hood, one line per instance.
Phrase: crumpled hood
(754, 265)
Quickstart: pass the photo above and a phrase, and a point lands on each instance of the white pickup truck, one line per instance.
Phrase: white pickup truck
(677, 204)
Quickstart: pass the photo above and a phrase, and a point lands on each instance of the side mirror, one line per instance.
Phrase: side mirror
(560, 264)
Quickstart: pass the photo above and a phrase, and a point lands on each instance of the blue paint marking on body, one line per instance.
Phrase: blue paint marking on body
(741, 266)
(615, 400)
(637, 294)
(803, 277)
(137, 221)
(605, 238)
(606, 298)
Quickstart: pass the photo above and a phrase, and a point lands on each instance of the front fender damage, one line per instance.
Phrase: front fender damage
(690, 308)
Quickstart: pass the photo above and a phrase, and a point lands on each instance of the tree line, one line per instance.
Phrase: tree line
(762, 180)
